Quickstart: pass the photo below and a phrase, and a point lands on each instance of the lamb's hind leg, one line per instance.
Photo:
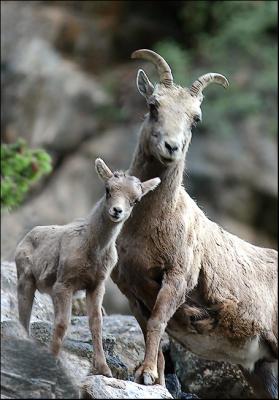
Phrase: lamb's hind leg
(25, 295)
(264, 380)
(62, 302)
(94, 301)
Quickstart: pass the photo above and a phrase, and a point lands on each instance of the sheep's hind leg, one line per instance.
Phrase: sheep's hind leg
(94, 301)
(62, 302)
(25, 294)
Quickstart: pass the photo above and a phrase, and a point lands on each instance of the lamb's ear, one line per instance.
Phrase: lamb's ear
(150, 185)
(144, 85)
(102, 169)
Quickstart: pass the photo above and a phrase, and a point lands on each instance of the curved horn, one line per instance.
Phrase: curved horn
(162, 66)
(203, 81)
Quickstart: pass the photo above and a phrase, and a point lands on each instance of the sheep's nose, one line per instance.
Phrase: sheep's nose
(171, 149)
(117, 210)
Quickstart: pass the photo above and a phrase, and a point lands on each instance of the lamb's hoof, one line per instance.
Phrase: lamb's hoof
(102, 370)
(145, 376)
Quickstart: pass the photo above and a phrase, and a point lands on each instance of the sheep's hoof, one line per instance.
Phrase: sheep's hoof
(148, 379)
(145, 376)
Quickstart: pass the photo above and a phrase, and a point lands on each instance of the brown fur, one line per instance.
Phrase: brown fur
(212, 291)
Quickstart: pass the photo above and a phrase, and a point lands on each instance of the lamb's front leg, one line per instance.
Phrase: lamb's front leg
(170, 297)
(94, 301)
(62, 303)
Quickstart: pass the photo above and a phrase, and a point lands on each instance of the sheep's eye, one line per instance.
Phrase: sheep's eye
(153, 111)
(196, 120)
(107, 193)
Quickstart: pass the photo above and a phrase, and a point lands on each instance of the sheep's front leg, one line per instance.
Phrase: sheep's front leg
(94, 301)
(169, 298)
(136, 310)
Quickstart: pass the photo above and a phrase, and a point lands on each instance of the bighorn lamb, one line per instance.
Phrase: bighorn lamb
(213, 292)
(60, 260)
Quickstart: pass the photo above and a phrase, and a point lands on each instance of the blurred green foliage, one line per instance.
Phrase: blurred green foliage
(20, 168)
(236, 39)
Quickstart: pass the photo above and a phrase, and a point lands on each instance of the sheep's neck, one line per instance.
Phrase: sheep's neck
(146, 167)
(102, 231)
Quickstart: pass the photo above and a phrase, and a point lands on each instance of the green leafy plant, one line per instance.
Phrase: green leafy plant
(21, 166)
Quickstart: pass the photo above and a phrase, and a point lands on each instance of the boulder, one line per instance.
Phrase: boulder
(122, 341)
(208, 379)
(50, 102)
(101, 387)
(23, 376)
(124, 349)
(31, 372)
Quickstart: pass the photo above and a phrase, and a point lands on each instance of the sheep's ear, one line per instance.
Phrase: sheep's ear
(150, 185)
(102, 170)
(144, 85)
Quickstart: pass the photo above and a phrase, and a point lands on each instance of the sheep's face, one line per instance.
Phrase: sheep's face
(122, 191)
(172, 114)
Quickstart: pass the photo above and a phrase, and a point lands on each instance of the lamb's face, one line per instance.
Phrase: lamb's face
(122, 191)
(172, 114)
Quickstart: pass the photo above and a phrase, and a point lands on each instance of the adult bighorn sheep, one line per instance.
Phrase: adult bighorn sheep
(213, 292)
(59, 260)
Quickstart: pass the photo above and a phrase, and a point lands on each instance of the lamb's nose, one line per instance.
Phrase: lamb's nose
(171, 149)
(117, 210)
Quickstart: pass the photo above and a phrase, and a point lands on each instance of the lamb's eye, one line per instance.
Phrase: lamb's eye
(133, 203)
(108, 193)
(154, 133)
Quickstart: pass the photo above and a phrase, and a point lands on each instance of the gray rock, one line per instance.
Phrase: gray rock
(79, 303)
(173, 385)
(31, 372)
(60, 101)
(13, 328)
(101, 387)
(208, 379)
(124, 349)
(122, 341)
